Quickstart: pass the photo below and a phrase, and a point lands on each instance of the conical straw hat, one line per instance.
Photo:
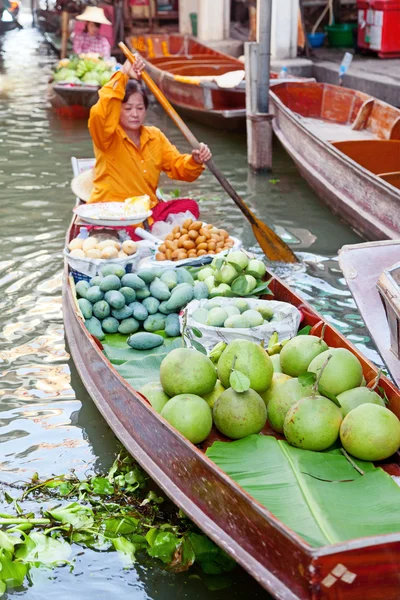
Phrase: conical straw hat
(82, 184)
(93, 14)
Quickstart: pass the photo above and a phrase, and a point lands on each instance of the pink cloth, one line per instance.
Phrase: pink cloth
(83, 43)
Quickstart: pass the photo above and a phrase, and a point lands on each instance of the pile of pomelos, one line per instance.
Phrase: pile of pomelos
(313, 395)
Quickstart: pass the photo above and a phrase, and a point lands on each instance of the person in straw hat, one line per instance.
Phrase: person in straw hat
(130, 156)
(91, 40)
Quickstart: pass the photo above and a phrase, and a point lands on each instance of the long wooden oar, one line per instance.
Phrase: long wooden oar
(272, 245)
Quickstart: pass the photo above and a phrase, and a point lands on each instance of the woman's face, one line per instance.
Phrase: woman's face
(92, 28)
(133, 113)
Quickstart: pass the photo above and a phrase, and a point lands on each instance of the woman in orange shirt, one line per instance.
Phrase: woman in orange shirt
(129, 155)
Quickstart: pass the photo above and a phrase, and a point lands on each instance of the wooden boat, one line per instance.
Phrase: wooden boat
(362, 266)
(281, 561)
(189, 74)
(73, 101)
(346, 144)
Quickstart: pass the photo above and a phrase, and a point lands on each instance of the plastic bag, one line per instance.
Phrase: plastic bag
(162, 228)
(286, 322)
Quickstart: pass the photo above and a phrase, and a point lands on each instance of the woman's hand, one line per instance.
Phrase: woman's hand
(133, 71)
(202, 154)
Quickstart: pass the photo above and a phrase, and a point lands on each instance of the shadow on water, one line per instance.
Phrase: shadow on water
(47, 421)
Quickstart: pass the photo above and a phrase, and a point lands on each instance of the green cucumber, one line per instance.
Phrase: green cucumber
(133, 281)
(110, 325)
(128, 326)
(172, 326)
(145, 341)
(110, 282)
(101, 309)
(86, 308)
(81, 288)
(115, 299)
(129, 294)
(151, 305)
(94, 294)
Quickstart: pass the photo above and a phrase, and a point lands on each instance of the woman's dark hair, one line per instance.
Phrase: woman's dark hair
(86, 26)
(135, 87)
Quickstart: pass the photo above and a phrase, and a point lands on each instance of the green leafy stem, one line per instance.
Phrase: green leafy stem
(112, 512)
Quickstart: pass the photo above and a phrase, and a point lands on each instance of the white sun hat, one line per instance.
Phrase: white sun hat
(82, 184)
(94, 14)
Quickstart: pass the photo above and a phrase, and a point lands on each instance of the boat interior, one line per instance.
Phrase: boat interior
(181, 55)
(362, 127)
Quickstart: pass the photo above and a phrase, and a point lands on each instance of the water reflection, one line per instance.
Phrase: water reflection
(47, 421)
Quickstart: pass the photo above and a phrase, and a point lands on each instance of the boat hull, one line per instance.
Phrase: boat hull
(368, 204)
(274, 555)
(362, 265)
(74, 102)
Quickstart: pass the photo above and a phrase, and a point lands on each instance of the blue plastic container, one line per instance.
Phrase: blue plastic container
(316, 40)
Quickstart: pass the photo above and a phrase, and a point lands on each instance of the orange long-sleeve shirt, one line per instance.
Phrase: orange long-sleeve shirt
(122, 169)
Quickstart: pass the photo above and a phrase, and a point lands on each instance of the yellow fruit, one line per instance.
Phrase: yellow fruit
(77, 253)
(93, 253)
(114, 243)
(121, 254)
(89, 244)
(75, 244)
(109, 252)
(129, 247)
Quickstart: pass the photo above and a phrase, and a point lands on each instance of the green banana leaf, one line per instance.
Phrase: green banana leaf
(145, 366)
(319, 495)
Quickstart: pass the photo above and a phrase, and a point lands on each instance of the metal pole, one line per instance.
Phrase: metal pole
(264, 15)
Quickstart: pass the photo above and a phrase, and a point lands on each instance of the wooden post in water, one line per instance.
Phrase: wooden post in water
(258, 121)
(64, 33)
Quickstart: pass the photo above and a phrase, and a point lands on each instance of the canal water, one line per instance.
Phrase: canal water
(48, 423)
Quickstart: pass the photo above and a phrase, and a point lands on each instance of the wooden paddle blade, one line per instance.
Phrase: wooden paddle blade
(271, 244)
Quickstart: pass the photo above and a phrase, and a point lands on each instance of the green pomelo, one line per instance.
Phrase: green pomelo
(237, 259)
(190, 415)
(312, 423)
(200, 315)
(235, 322)
(204, 273)
(256, 268)
(215, 394)
(274, 390)
(266, 312)
(187, 371)
(290, 392)
(343, 371)
(252, 318)
(370, 432)
(276, 363)
(298, 353)
(155, 395)
(226, 274)
(210, 282)
(232, 311)
(216, 317)
(220, 290)
(238, 415)
(241, 304)
(215, 303)
(361, 395)
(251, 360)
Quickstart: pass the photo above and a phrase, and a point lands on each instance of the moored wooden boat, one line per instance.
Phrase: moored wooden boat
(346, 144)
(272, 553)
(362, 266)
(194, 78)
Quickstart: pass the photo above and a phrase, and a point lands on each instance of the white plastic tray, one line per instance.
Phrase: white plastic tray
(108, 214)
